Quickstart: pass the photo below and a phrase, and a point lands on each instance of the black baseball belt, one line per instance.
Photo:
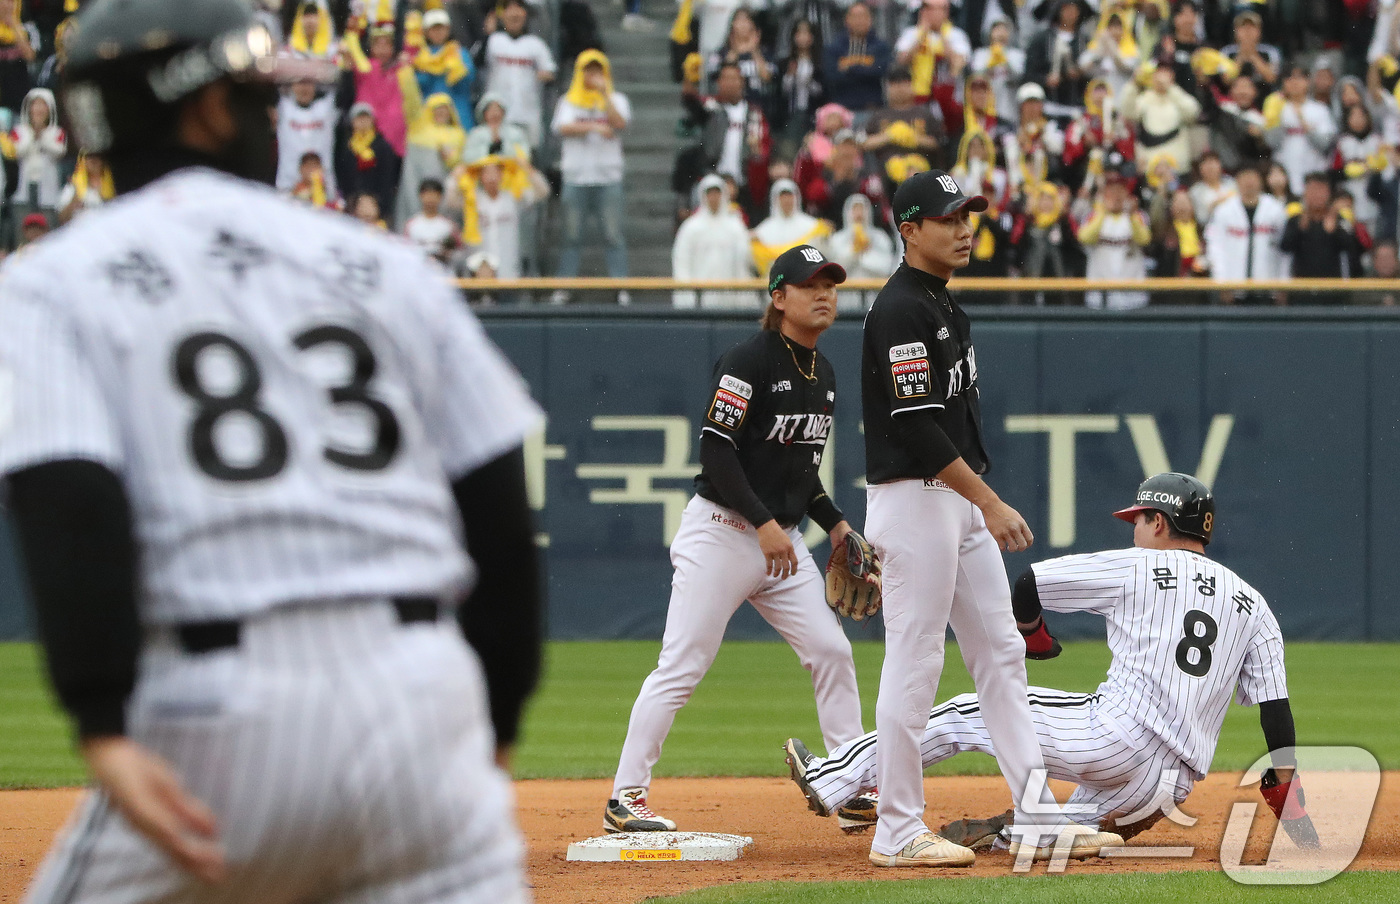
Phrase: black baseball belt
(208, 636)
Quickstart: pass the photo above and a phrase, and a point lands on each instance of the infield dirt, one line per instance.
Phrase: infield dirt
(790, 844)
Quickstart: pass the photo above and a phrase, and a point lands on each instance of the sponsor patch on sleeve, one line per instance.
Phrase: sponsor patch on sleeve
(908, 352)
(731, 402)
(736, 386)
(911, 378)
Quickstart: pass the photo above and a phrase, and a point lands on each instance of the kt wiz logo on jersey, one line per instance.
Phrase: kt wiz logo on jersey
(811, 429)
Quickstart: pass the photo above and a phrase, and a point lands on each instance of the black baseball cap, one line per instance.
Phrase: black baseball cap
(932, 195)
(799, 264)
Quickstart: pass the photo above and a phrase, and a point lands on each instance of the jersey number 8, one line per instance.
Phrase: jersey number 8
(1200, 630)
(244, 399)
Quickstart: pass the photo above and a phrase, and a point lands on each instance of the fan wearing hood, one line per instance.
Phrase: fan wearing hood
(435, 144)
(864, 249)
(366, 162)
(39, 146)
(1357, 155)
(306, 121)
(1112, 55)
(977, 171)
(385, 80)
(787, 226)
(493, 193)
(1097, 139)
(443, 66)
(496, 133)
(313, 33)
(589, 119)
(712, 243)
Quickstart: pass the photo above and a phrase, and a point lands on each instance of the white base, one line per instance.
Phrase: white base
(660, 847)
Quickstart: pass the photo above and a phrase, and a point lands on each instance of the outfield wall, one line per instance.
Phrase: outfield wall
(1292, 415)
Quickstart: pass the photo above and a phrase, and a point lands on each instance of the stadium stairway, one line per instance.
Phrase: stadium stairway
(641, 70)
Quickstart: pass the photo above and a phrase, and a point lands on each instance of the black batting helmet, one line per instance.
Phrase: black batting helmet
(1184, 500)
(130, 64)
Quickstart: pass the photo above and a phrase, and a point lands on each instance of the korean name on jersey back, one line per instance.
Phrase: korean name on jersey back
(731, 402)
(256, 369)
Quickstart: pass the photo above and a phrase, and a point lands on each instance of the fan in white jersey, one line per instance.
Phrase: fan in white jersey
(518, 66)
(1185, 632)
(244, 442)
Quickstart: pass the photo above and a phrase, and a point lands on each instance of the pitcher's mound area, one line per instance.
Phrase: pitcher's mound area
(789, 843)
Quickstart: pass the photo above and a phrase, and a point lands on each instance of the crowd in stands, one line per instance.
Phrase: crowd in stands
(1115, 139)
(436, 127)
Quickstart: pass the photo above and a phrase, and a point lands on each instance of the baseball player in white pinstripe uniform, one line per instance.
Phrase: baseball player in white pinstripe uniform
(244, 442)
(1185, 632)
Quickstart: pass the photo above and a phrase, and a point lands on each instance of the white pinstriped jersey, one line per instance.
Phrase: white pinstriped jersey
(1185, 633)
(285, 393)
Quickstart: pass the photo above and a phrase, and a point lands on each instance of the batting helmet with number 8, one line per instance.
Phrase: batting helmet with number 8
(1185, 501)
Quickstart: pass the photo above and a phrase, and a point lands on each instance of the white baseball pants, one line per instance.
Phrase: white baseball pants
(719, 565)
(942, 567)
(1120, 767)
(348, 759)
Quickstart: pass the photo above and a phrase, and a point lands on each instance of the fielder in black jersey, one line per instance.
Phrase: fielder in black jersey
(937, 528)
(771, 411)
(765, 429)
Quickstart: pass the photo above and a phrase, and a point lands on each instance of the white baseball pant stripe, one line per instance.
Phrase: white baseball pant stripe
(348, 759)
(942, 567)
(718, 565)
(1118, 770)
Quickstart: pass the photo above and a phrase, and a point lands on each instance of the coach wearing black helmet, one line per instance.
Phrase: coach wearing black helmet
(248, 447)
(937, 527)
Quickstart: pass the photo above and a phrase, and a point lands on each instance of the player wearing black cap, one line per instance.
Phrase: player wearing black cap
(937, 527)
(765, 429)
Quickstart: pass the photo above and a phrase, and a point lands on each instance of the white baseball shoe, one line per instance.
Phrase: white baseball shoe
(1086, 842)
(927, 850)
(630, 813)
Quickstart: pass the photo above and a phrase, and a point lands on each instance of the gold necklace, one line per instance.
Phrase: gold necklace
(809, 377)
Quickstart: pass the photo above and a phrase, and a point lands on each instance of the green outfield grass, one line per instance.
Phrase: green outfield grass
(755, 697)
(1196, 888)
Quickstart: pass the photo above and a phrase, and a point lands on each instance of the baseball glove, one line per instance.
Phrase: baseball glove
(853, 578)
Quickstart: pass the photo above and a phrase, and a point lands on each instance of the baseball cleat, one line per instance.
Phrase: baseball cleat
(1087, 843)
(927, 850)
(629, 813)
(798, 756)
(977, 834)
(859, 813)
